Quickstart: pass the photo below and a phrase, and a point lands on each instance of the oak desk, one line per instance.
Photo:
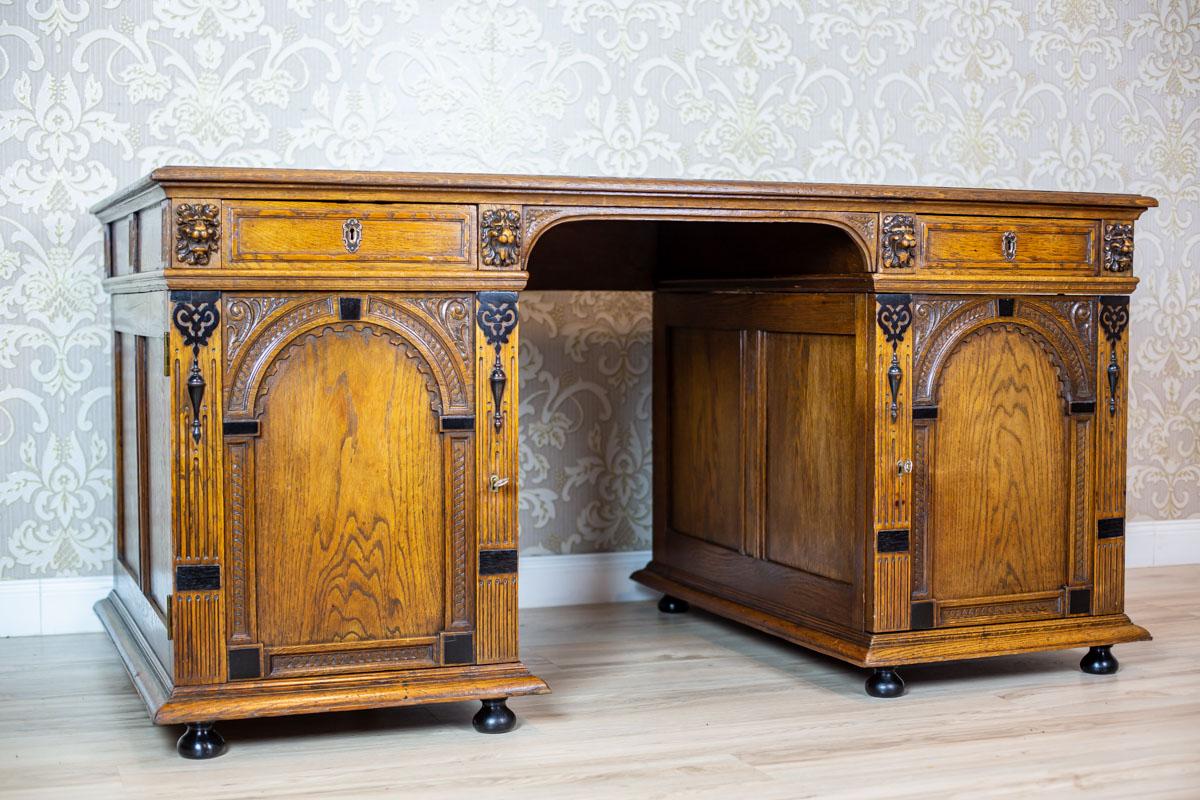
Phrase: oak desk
(889, 423)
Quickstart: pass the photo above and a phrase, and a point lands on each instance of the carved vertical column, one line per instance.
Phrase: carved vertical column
(197, 604)
(496, 443)
(1112, 381)
(891, 392)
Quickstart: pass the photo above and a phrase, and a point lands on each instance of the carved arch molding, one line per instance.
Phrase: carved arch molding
(434, 331)
(1064, 328)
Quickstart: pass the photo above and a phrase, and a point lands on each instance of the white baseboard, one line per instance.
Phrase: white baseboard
(574, 580)
(51, 605)
(64, 605)
(1162, 543)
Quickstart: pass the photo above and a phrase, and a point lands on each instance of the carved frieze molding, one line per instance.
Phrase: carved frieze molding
(434, 346)
(944, 330)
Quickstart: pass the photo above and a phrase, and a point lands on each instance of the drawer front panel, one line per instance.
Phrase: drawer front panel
(967, 243)
(383, 233)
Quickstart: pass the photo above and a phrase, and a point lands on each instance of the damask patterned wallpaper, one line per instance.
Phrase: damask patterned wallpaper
(1056, 94)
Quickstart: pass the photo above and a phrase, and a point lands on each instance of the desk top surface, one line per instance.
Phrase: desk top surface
(178, 180)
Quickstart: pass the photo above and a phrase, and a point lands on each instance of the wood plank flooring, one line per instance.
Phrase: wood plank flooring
(651, 706)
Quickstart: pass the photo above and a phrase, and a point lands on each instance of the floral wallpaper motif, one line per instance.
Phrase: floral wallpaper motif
(1083, 95)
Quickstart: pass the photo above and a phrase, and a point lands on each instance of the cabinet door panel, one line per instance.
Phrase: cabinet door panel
(1001, 476)
(353, 549)
(1003, 406)
(349, 434)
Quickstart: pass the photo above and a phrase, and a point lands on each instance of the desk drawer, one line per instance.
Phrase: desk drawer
(971, 243)
(385, 234)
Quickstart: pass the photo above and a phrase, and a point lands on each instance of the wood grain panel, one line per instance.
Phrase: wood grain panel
(811, 453)
(889, 343)
(892, 582)
(240, 583)
(199, 654)
(1001, 475)
(354, 549)
(1112, 418)
(1060, 245)
(1083, 521)
(158, 416)
(705, 435)
(1108, 597)
(496, 449)
(129, 548)
(496, 619)
(269, 233)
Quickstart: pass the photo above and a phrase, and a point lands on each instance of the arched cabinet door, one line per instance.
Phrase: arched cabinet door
(350, 495)
(1003, 406)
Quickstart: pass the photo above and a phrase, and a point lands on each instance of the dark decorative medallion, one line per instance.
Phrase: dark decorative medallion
(500, 232)
(899, 241)
(1118, 246)
(197, 232)
(1114, 318)
(497, 318)
(894, 316)
(196, 316)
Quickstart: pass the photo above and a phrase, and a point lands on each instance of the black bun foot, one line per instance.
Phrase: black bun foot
(200, 740)
(672, 605)
(1099, 661)
(494, 717)
(885, 682)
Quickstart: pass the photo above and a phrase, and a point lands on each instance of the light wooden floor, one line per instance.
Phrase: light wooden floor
(652, 706)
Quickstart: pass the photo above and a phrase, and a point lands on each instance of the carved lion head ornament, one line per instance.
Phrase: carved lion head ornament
(1118, 247)
(501, 230)
(899, 241)
(197, 232)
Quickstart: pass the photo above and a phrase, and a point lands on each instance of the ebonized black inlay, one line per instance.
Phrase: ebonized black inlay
(241, 427)
(895, 541)
(1079, 407)
(197, 577)
(181, 296)
(350, 308)
(1079, 601)
(1005, 306)
(1110, 528)
(458, 648)
(465, 422)
(921, 616)
(245, 663)
(925, 412)
(497, 562)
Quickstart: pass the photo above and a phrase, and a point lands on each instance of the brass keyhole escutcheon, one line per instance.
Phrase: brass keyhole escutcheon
(352, 235)
(1008, 244)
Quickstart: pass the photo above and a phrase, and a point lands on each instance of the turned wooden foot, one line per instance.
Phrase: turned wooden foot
(885, 682)
(1099, 661)
(672, 605)
(495, 717)
(200, 740)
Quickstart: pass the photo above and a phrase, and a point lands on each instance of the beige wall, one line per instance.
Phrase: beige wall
(1094, 94)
